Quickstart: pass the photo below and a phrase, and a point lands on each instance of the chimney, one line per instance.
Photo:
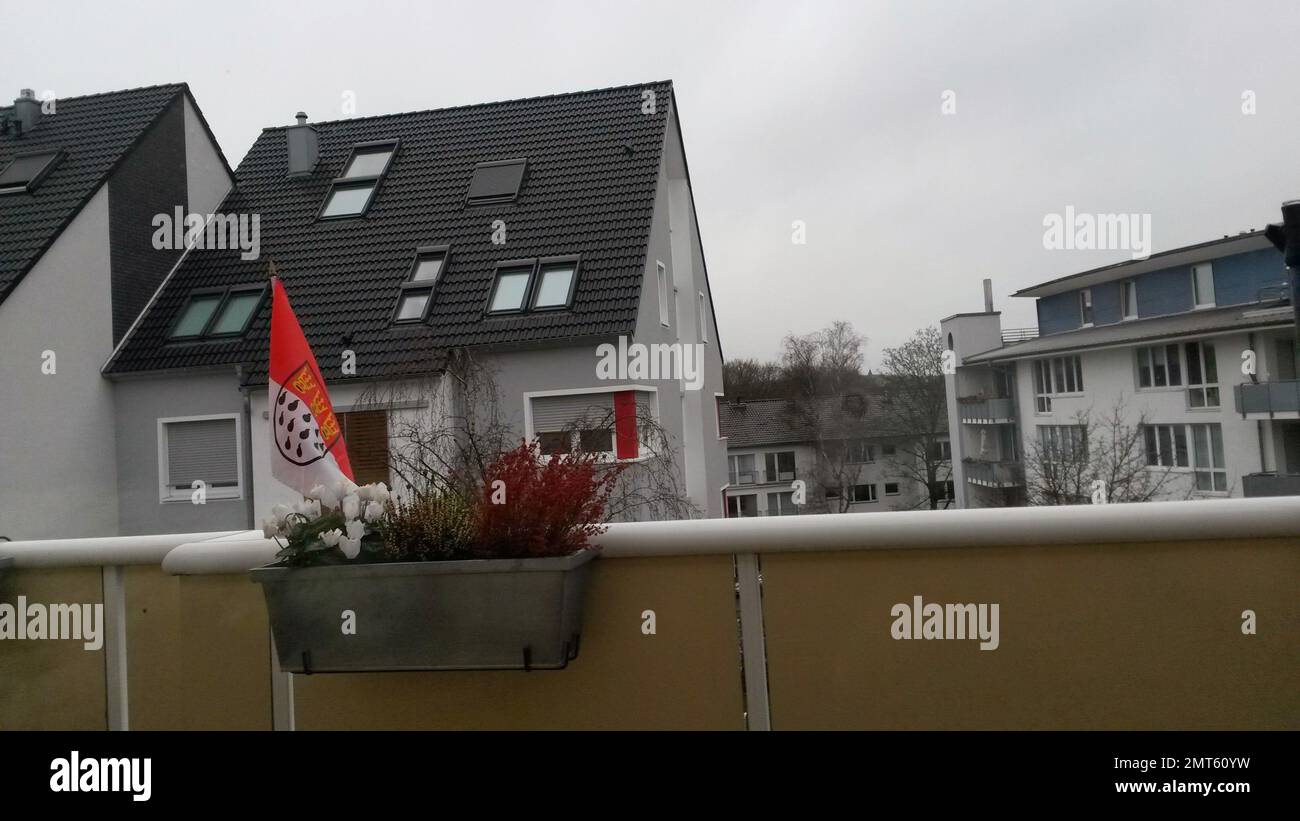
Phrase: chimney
(303, 149)
(27, 109)
(988, 296)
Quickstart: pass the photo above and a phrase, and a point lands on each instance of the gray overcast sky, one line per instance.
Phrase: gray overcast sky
(824, 112)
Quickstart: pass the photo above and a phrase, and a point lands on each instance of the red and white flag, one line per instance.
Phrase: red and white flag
(309, 447)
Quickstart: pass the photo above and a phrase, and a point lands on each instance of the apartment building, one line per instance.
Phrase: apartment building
(785, 458)
(1194, 348)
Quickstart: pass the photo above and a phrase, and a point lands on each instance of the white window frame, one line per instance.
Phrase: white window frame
(1085, 308)
(779, 494)
(1203, 387)
(704, 321)
(734, 472)
(1128, 293)
(738, 497)
(898, 489)
(1189, 430)
(873, 497)
(1148, 354)
(170, 494)
(1197, 296)
(661, 280)
(611, 456)
(1045, 387)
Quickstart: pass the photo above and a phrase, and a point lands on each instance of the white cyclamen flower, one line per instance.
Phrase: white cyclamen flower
(351, 506)
(350, 547)
(270, 527)
(327, 497)
(345, 486)
(308, 507)
(356, 529)
(374, 510)
(315, 492)
(379, 492)
(331, 537)
(279, 512)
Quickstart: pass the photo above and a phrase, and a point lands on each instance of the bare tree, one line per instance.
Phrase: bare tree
(447, 429)
(751, 379)
(820, 368)
(915, 414)
(1097, 459)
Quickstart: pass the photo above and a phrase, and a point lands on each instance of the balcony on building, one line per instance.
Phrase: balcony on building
(978, 410)
(1270, 484)
(1269, 400)
(993, 473)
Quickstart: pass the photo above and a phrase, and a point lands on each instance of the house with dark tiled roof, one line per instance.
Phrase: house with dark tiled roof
(536, 234)
(835, 454)
(81, 181)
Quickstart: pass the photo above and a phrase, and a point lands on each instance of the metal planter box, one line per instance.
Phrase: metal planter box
(499, 614)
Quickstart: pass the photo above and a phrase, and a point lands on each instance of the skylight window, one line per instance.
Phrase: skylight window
(417, 292)
(554, 285)
(510, 290)
(351, 194)
(221, 313)
(496, 181)
(370, 162)
(531, 284)
(26, 171)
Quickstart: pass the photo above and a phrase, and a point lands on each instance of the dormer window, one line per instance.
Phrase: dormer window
(217, 314)
(26, 171)
(417, 291)
(496, 181)
(534, 285)
(351, 194)
(1085, 307)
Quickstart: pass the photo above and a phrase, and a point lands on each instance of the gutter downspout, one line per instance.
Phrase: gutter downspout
(247, 445)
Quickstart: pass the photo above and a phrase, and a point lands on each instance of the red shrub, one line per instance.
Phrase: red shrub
(550, 507)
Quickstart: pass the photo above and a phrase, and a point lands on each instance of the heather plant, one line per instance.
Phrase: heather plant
(534, 506)
(430, 527)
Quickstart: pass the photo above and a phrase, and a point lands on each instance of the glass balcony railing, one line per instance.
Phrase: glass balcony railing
(758, 477)
(1268, 397)
(987, 410)
(994, 473)
(1270, 484)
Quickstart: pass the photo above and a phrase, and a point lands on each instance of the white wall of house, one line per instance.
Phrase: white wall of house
(675, 243)
(58, 466)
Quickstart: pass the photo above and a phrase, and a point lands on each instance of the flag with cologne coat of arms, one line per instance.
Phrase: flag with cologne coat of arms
(309, 447)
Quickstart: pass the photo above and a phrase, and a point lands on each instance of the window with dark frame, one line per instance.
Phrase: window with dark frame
(218, 314)
(546, 284)
(26, 171)
(416, 295)
(495, 182)
(351, 194)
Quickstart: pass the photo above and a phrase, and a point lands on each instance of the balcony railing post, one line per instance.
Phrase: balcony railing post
(753, 644)
(117, 694)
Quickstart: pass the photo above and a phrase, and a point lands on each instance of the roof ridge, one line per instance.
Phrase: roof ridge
(177, 86)
(477, 105)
